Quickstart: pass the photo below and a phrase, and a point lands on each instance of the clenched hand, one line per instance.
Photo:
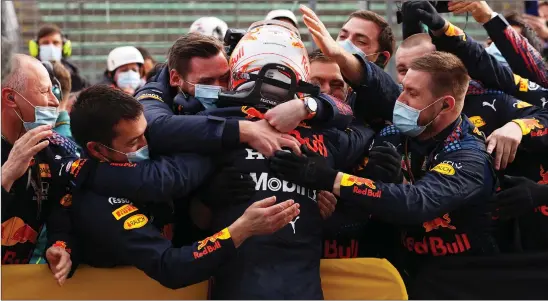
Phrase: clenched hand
(59, 263)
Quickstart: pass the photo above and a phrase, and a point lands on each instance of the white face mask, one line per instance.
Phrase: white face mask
(50, 52)
(128, 79)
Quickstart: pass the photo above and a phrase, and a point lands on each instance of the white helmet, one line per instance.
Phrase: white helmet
(268, 42)
(209, 26)
(123, 55)
(282, 13)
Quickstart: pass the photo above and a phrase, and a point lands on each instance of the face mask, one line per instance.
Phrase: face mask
(136, 156)
(494, 51)
(42, 116)
(50, 52)
(128, 79)
(207, 95)
(406, 118)
(353, 49)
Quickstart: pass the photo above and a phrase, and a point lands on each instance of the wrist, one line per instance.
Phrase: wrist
(486, 17)
(245, 131)
(521, 125)
(7, 179)
(337, 184)
(442, 30)
(238, 232)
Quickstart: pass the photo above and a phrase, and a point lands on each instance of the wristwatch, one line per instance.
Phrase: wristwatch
(311, 106)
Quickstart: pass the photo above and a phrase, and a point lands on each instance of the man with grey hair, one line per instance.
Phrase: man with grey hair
(33, 194)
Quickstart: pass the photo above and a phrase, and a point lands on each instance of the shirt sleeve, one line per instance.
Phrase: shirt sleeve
(128, 234)
(461, 177)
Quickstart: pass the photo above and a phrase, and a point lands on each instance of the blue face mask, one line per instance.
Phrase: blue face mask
(405, 119)
(136, 156)
(353, 49)
(207, 95)
(494, 51)
(128, 79)
(42, 116)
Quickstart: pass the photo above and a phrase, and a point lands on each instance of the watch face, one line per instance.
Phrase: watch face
(311, 104)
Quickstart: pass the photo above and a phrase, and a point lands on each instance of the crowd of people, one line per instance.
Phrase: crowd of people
(245, 159)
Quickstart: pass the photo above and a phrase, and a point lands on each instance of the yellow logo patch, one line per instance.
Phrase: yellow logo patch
(136, 221)
(148, 95)
(123, 211)
(477, 121)
(444, 169)
(522, 104)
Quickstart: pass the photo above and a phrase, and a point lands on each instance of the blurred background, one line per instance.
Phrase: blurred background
(96, 27)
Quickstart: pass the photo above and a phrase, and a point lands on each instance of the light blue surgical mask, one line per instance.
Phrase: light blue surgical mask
(50, 52)
(128, 79)
(139, 155)
(42, 116)
(207, 95)
(494, 51)
(405, 119)
(353, 49)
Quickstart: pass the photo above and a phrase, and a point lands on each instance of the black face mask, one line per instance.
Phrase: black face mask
(258, 96)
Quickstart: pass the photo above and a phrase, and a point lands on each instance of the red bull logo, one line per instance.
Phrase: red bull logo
(223, 234)
(544, 176)
(528, 125)
(317, 144)
(349, 180)
(539, 133)
(127, 164)
(252, 113)
(367, 192)
(15, 231)
(236, 57)
(334, 249)
(542, 210)
(443, 222)
(76, 166)
(437, 246)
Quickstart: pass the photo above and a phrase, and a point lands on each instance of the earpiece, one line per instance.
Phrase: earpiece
(10, 97)
(445, 105)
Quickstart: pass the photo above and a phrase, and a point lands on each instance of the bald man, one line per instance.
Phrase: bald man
(411, 48)
(32, 191)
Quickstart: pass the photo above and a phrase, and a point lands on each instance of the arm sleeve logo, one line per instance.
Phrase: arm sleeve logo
(135, 222)
(444, 169)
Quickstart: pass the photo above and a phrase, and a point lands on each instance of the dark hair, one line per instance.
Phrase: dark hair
(97, 110)
(318, 56)
(515, 19)
(63, 76)
(386, 40)
(447, 73)
(47, 30)
(145, 53)
(189, 46)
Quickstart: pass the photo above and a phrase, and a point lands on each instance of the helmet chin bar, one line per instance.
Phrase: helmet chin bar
(266, 91)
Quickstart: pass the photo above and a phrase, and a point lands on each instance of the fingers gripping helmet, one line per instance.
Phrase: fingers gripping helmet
(209, 26)
(271, 61)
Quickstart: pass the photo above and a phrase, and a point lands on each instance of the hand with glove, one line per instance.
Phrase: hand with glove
(424, 12)
(310, 170)
(228, 187)
(384, 164)
(410, 22)
(518, 196)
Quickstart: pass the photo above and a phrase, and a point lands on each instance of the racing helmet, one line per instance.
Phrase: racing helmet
(209, 26)
(123, 55)
(270, 55)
